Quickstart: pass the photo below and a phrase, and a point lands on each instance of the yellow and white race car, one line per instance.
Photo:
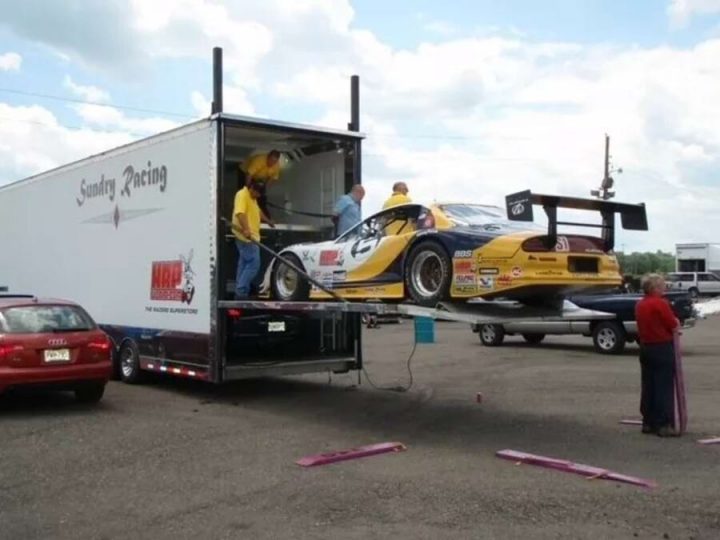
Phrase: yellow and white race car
(428, 254)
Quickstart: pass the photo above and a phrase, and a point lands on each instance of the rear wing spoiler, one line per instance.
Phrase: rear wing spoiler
(632, 216)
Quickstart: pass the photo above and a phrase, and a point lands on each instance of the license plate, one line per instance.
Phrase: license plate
(57, 355)
(276, 326)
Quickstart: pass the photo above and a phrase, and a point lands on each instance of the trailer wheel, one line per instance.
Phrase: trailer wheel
(287, 285)
(491, 335)
(427, 274)
(130, 371)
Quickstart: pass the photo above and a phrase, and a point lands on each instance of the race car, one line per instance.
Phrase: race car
(438, 252)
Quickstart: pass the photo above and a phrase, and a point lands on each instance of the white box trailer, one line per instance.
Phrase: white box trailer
(135, 235)
(697, 257)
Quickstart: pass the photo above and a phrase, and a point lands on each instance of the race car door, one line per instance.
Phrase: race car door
(372, 253)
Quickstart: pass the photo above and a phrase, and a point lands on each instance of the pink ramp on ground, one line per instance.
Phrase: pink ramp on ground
(576, 468)
(631, 422)
(352, 453)
(713, 440)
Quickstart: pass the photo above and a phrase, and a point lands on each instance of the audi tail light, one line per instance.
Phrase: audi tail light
(100, 344)
(9, 349)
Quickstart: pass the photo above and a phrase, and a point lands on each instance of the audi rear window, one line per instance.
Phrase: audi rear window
(44, 319)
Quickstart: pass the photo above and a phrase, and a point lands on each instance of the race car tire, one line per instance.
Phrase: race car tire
(428, 258)
(491, 335)
(609, 338)
(533, 339)
(286, 284)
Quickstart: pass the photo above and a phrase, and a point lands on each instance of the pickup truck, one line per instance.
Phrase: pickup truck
(609, 336)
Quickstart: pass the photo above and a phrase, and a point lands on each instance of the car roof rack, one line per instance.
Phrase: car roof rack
(632, 216)
(9, 295)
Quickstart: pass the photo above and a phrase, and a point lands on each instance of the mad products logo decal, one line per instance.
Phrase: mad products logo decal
(172, 281)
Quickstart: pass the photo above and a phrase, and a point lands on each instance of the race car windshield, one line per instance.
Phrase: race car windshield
(484, 217)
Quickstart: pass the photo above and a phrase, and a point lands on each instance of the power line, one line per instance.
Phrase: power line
(97, 103)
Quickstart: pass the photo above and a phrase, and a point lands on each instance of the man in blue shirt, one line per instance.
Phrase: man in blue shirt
(347, 210)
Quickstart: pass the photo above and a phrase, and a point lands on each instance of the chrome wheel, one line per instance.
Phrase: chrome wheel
(286, 281)
(427, 273)
(127, 362)
(606, 339)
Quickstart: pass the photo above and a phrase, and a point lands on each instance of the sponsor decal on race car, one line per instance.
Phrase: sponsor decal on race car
(463, 254)
(504, 280)
(330, 257)
(464, 279)
(489, 271)
(516, 272)
(308, 256)
(339, 276)
(466, 288)
(463, 266)
(542, 259)
(550, 273)
(485, 282)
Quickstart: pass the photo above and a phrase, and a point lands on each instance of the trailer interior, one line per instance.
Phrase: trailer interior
(317, 167)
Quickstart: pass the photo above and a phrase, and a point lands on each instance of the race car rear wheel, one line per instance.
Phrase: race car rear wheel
(287, 285)
(427, 274)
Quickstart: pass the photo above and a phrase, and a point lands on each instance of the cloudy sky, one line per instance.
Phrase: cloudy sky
(465, 100)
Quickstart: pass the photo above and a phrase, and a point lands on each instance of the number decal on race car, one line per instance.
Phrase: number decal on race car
(364, 245)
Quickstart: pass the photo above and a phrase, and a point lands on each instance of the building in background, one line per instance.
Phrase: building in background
(701, 257)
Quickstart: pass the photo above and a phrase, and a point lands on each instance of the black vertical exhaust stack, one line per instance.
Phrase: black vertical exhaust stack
(217, 104)
(354, 125)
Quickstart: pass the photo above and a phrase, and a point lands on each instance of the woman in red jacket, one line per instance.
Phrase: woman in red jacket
(656, 323)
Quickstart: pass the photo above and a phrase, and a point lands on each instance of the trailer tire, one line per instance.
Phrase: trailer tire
(129, 360)
(491, 335)
(286, 284)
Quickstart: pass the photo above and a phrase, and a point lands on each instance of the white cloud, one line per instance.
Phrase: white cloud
(89, 93)
(476, 117)
(22, 127)
(681, 11)
(10, 61)
(110, 118)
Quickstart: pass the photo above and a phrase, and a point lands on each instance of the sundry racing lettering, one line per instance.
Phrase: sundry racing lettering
(132, 180)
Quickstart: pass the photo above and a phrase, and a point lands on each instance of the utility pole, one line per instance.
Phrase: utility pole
(604, 192)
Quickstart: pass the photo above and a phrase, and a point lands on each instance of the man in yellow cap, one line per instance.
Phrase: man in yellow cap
(246, 227)
(399, 195)
(263, 167)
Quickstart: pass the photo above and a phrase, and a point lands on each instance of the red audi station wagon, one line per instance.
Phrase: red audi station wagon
(52, 344)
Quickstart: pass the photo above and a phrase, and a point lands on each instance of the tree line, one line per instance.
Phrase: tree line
(637, 264)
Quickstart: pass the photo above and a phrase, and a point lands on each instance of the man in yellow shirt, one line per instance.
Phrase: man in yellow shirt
(246, 227)
(265, 167)
(399, 195)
